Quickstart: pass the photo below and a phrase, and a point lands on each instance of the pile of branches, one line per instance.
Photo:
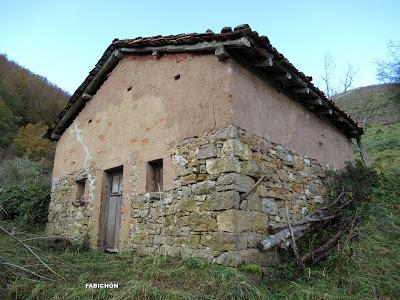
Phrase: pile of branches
(330, 216)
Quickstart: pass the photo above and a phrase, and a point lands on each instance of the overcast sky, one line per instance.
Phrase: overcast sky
(63, 40)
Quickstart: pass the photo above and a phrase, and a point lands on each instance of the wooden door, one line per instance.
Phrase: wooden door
(113, 212)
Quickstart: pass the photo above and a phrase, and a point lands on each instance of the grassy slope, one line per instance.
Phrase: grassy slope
(376, 104)
(383, 145)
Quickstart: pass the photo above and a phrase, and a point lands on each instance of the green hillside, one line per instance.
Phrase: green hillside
(377, 108)
(25, 98)
(375, 104)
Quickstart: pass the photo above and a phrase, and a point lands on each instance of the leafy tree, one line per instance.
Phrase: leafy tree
(8, 125)
(31, 143)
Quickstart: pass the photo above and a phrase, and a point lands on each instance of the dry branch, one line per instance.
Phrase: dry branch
(287, 235)
(30, 251)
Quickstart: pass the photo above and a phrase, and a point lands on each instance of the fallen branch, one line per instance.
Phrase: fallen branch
(286, 235)
(315, 255)
(30, 250)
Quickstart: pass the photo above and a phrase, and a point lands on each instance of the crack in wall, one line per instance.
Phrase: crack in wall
(74, 130)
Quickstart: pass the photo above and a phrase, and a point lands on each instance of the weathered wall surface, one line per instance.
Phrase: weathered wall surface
(140, 109)
(262, 110)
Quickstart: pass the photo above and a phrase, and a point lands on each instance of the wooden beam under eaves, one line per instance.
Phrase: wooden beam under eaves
(267, 62)
(305, 90)
(318, 102)
(328, 111)
(282, 77)
(221, 53)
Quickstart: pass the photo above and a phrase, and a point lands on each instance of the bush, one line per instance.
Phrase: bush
(25, 202)
(355, 179)
(22, 170)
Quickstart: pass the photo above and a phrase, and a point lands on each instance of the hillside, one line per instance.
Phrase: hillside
(25, 98)
(375, 104)
(378, 106)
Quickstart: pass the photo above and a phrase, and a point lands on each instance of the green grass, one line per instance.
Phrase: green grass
(382, 143)
(367, 268)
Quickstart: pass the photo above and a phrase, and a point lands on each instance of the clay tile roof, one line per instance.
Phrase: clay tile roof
(242, 44)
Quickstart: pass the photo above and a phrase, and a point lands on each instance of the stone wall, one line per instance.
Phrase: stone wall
(204, 214)
(70, 217)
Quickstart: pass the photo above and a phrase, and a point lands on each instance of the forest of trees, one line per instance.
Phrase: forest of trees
(28, 104)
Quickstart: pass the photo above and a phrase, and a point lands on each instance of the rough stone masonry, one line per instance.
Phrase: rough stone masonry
(204, 215)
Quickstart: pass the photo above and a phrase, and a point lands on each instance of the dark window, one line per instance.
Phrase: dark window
(80, 189)
(154, 177)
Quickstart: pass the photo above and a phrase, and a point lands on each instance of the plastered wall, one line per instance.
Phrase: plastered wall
(262, 110)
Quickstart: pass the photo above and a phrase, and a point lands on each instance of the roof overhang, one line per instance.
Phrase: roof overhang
(252, 51)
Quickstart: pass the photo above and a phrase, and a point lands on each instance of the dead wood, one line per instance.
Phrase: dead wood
(313, 255)
(286, 235)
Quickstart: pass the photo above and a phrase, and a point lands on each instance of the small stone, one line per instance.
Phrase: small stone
(199, 198)
(253, 239)
(239, 221)
(208, 151)
(250, 168)
(229, 132)
(253, 202)
(205, 254)
(269, 206)
(187, 204)
(186, 191)
(235, 258)
(313, 188)
(221, 201)
(183, 171)
(185, 252)
(222, 241)
(234, 147)
(233, 181)
(203, 187)
(202, 222)
(223, 165)
(192, 178)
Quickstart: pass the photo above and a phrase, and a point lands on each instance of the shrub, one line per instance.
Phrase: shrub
(355, 179)
(25, 202)
(21, 170)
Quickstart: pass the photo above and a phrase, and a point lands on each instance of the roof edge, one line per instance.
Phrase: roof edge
(241, 42)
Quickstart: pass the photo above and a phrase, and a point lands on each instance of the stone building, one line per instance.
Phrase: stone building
(160, 147)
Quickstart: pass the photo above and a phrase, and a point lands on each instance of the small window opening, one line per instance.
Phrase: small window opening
(80, 190)
(177, 76)
(154, 176)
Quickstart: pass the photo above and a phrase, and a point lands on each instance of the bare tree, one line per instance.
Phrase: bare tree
(389, 70)
(333, 87)
(327, 77)
(348, 80)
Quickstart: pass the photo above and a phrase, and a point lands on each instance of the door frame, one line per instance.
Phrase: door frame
(108, 191)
